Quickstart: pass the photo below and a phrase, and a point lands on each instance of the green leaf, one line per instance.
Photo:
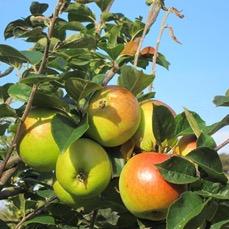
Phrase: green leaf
(113, 35)
(222, 100)
(143, 97)
(161, 60)
(3, 225)
(221, 224)
(7, 111)
(80, 12)
(205, 140)
(32, 78)
(163, 123)
(117, 161)
(134, 80)
(4, 92)
(34, 57)
(46, 193)
(192, 122)
(217, 126)
(209, 161)
(80, 88)
(37, 8)
(178, 170)
(213, 189)
(20, 91)
(188, 206)
(42, 99)
(11, 55)
(65, 133)
(72, 25)
(221, 215)
(103, 4)
(42, 219)
(183, 126)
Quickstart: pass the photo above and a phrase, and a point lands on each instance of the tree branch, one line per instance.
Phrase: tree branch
(220, 146)
(93, 218)
(11, 191)
(152, 16)
(35, 212)
(15, 140)
(6, 176)
(110, 74)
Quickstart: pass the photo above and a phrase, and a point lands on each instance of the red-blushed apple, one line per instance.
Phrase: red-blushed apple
(186, 144)
(114, 116)
(144, 191)
(84, 169)
(144, 135)
(37, 147)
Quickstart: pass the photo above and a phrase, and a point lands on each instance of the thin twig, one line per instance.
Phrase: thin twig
(93, 218)
(11, 191)
(220, 146)
(152, 16)
(35, 212)
(15, 140)
(110, 74)
(98, 26)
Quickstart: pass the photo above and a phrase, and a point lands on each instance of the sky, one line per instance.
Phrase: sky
(199, 67)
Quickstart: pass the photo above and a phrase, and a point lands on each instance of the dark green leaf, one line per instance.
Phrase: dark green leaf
(65, 133)
(178, 170)
(206, 141)
(217, 126)
(49, 101)
(188, 206)
(80, 12)
(47, 193)
(143, 97)
(221, 225)
(113, 35)
(3, 126)
(161, 60)
(209, 161)
(37, 8)
(163, 123)
(213, 189)
(134, 80)
(20, 91)
(80, 88)
(221, 215)
(72, 25)
(103, 4)
(34, 57)
(11, 55)
(4, 92)
(41, 219)
(3, 225)
(118, 163)
(7, 111)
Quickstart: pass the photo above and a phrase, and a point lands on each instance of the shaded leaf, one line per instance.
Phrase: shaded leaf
(46, 193)
(209, 161)
(178, 170)
(220, 225)
(42, 219)
(206, 141)
(134, 80)
(65, 132)
(4, 92)
(7, 111)
(35, 78)
(37, 8)
(34, 57)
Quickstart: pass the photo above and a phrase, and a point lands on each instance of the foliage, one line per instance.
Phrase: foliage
(83, 50)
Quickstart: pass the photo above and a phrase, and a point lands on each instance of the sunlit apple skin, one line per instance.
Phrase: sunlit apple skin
(84, 169)
(37, 147)
(144, 136)
(143, 190)
(114, 116)
(71, 200)
(186, 145)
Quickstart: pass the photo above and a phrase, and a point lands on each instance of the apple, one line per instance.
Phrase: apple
(114, 116)
(37, 147)
(73, 201)
(186, 144)
(84, 169)
(144, 136)
(144, 191)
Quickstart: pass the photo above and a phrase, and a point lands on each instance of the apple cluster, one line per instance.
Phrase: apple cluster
(84, 170)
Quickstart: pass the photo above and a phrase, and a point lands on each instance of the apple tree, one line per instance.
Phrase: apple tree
(81, 108)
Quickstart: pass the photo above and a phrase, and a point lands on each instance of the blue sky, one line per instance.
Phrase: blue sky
(199, 67)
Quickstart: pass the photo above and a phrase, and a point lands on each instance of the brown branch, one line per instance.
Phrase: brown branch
(15, 140)
(152, 16)
(11, 191)
(6, 176)
(35, 212)
(93, 218)
(110, 74)
(220, 146)
(163, 26)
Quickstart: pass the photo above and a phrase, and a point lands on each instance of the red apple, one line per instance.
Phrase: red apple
(114, 116)
(144, 191)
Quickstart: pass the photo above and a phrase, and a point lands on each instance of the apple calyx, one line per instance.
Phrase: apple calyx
(82, 177)
(102, 104)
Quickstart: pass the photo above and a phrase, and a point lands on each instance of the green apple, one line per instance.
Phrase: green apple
(144, 135)
(37, 147)
(73, 201)
(144, 191)
(84, 169)
(114, 116)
